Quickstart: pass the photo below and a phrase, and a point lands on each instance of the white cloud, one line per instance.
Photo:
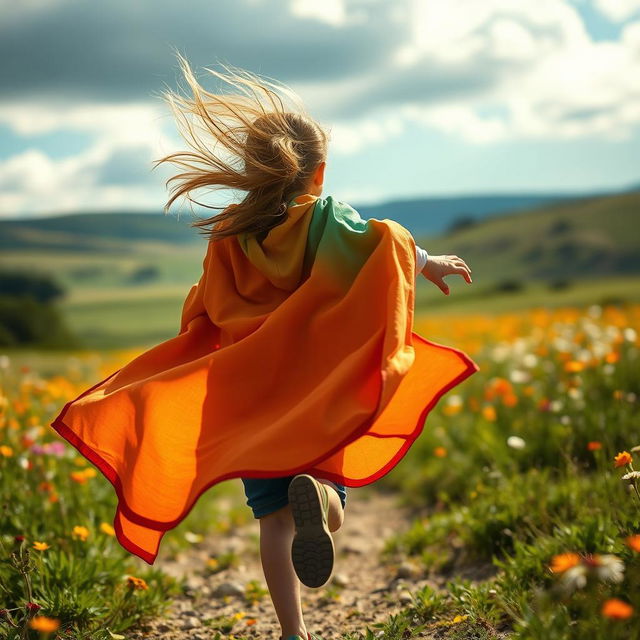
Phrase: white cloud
(617, 10)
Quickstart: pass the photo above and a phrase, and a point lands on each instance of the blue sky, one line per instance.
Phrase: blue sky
(422, 97)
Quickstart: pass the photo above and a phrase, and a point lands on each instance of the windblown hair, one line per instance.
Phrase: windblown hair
(273, 150)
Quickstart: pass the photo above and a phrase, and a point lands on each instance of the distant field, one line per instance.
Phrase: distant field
(112, 318)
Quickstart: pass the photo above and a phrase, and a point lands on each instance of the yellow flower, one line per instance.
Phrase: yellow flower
(42, 623)
(107, 528)
(40, 546)
(573, 366)
(6, 450)
(459, 619)
(624, 457)
(240, 614)
(80, 532)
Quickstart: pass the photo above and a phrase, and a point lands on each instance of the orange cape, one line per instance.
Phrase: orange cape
(295, 354)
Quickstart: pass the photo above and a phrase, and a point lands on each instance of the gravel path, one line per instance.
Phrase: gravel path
(362, 589)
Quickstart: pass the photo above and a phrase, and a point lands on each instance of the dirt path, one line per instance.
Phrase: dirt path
(362, 590)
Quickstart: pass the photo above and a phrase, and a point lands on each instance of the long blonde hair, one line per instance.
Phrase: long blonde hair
(273, 150)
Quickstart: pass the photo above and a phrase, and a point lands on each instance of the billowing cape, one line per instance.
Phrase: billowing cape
(295, 354)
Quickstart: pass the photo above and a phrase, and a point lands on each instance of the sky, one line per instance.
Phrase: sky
(421, 97)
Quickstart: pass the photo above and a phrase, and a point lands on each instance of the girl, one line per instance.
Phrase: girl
(295, 367)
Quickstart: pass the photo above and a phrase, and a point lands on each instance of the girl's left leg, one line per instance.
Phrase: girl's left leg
(276, 535)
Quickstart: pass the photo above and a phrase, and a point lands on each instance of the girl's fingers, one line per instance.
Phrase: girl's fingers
(463, 272)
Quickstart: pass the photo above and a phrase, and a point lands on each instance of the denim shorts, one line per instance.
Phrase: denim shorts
(265, 495)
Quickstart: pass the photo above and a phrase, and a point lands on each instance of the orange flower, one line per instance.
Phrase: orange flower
(618, 609)
(624, 457)
(6, 450)
(510, 400)
(564, 561)
(137, 583)
(633, 542)
(594, 445)
(612, 357)
(440, 452)
(42, 623)
(489, 413)
(250, 621)
(78, 476)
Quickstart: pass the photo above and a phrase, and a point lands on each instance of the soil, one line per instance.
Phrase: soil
(361, 591)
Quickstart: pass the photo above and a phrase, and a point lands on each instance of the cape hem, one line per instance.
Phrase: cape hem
(107, 470)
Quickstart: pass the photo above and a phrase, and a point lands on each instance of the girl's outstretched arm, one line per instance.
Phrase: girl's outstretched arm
(437, 267)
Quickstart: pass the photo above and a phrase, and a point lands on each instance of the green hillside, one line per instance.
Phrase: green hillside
(126, 287)
(591, 238)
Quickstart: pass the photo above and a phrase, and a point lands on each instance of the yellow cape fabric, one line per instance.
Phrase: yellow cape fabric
(295, 354)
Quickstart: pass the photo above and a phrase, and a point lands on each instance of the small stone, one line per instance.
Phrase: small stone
(405, 570)
(191, 623)
(228, 589)
(162, 628)
(340, 580)
(405, 597)
(189, 612)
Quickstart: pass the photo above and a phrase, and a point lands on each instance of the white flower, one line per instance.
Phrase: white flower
(518, 376)
(574, 578)
(515, 442)
(631, 474)
(630, 334)
(610, 568)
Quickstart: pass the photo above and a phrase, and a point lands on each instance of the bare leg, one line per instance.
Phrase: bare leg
(336, 512)
(276, 535)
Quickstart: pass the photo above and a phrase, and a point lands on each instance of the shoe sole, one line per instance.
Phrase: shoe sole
(312, 550)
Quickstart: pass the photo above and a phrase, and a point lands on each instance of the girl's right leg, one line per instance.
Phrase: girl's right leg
(336, 512)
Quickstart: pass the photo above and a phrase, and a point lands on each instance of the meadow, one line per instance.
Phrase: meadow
(522, 484)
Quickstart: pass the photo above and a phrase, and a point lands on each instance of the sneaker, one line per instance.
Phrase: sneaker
(312, 550)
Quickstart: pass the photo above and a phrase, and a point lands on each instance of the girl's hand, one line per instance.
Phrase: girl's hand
(439, 266)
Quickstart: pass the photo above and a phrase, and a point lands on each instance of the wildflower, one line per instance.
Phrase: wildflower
(40, 546)
(107, 528)
(564, 561)
(457, 619)
(250, 621)
(33, 606)
(624, 457)
(6, 450)
(515, 442)
(78, 476)
(489, 413)
(594, 445)
(136, 583)
(440, 452)
(617, 609)
(42, 623)
(81, 532)
(635, 449)
(630, 475)
(606, 567)
(18, 538)
(574, 366)
(633, 542)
